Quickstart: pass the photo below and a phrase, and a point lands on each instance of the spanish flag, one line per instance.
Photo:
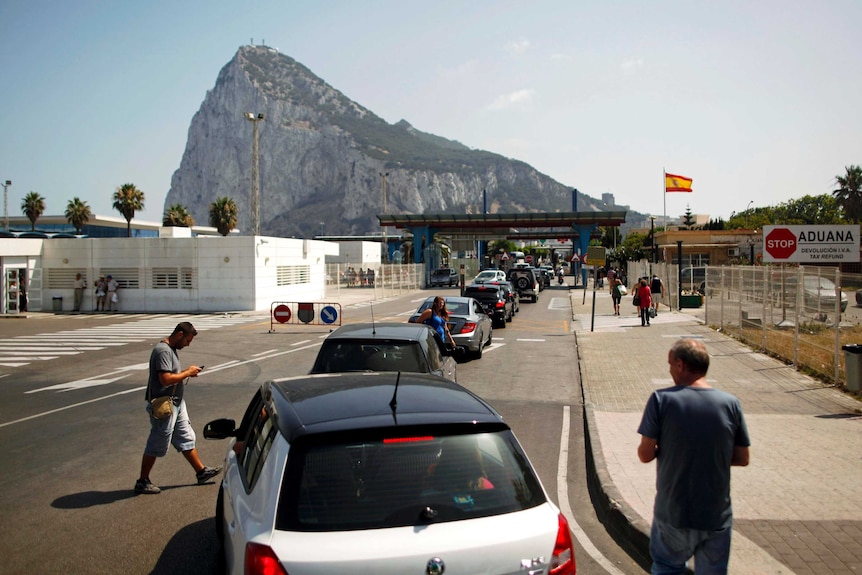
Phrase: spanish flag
(674, 183)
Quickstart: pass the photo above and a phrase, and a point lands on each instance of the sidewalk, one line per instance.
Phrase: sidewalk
(797, 507)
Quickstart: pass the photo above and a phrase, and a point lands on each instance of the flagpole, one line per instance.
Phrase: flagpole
(664, 196)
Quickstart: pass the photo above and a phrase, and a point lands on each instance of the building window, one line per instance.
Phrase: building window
(293, 275)
(127, 278)
(62, 278)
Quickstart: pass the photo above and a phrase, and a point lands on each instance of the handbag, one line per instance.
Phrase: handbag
(636, 300)
(163, 407)
(622, 289)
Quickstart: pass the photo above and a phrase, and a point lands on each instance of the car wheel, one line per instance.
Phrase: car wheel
(478, 353)
(490, 338)
(501, 324)
(510, 316)
(523, 283)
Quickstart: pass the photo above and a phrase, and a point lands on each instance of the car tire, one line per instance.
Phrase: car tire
(478, 353)
(510, 316)
(523, 283)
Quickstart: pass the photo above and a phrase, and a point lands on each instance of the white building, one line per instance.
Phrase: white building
(164, 274)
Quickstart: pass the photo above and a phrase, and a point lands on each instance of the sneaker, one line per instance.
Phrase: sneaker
(144, 486)
(207, 473)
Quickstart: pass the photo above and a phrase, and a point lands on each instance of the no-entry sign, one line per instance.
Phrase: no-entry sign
(811, 244)
(281, 313)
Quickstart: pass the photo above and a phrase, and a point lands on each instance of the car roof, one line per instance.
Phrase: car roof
(335, 402)
(383, 330)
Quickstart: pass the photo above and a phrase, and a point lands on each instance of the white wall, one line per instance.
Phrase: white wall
(209, 274)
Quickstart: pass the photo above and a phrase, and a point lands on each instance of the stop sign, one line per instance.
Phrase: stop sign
(780, 243)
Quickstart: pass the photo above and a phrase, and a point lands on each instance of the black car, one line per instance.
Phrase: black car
(493, 298)
(511, 293)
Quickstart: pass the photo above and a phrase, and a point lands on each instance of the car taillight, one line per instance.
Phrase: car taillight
(563, 560)
(468, 327)
(261, 560)
(500, 304)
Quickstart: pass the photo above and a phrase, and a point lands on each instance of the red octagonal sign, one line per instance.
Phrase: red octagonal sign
(780, 243)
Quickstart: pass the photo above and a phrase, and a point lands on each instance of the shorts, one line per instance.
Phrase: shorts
(175, 430)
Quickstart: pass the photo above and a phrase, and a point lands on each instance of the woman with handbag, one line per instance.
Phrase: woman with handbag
(644, 301)
(617, 294)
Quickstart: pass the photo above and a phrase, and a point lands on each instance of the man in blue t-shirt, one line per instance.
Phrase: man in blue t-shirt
(696, 433)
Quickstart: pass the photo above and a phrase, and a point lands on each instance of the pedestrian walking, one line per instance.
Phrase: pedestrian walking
(644, 301)
(657, 289)
(167, 378)
(78, 293)
(617, 295)
(695, 433)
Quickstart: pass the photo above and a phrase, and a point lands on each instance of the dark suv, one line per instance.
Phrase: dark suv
(494, 301)
(526, 282)
(444, 277)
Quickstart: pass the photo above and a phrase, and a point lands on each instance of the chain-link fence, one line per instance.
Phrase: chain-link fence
(804, 315)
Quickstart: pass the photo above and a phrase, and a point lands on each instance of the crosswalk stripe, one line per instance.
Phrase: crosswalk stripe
(23, 350)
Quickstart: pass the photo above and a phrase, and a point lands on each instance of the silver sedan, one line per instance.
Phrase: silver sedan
(470, 326)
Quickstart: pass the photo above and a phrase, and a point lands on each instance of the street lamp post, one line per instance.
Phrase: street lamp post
(6, 203)
(255, 178)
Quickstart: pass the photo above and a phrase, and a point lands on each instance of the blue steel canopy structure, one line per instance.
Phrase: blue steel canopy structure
(578, 226)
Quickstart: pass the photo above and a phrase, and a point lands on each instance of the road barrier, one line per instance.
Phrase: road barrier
(304, 313)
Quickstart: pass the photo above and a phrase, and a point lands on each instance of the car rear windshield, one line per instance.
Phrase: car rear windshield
(443, 272)
(401, 481)
(337, 356)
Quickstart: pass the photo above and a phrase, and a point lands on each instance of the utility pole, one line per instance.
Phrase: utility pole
(255, 178)
(383, 176)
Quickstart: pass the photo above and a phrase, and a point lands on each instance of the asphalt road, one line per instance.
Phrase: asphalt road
(73, 427)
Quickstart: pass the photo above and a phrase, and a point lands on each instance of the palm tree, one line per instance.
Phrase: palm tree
(78, 214)
(33, 206)
(849, 194)
(177, 216)
(127, 200)
(223, 215)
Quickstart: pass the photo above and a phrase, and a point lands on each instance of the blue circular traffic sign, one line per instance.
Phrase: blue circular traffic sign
(328, 314)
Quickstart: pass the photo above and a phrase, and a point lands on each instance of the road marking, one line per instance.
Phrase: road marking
(141, 388)
(525, 339)
(565, 506)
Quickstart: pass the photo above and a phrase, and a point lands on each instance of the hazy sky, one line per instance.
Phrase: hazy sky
(756, 100)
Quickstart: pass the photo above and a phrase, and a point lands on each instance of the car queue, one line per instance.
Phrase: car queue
(379, 448)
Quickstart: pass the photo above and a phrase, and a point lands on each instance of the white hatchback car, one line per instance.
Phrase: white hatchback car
(387, 473)
(487, 276)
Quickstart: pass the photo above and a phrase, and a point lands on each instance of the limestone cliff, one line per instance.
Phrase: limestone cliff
(321, 156)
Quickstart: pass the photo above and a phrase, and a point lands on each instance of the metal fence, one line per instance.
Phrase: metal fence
(804, 315)
(384, 279)
(801, 314)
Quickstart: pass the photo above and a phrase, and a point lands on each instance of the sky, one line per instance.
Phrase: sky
(758, 101)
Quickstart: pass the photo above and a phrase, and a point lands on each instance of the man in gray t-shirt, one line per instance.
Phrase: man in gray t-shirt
(696, 433)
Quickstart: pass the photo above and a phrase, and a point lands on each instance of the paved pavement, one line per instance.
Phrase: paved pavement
(797, 507)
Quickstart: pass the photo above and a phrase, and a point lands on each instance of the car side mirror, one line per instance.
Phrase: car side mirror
(220, 429)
